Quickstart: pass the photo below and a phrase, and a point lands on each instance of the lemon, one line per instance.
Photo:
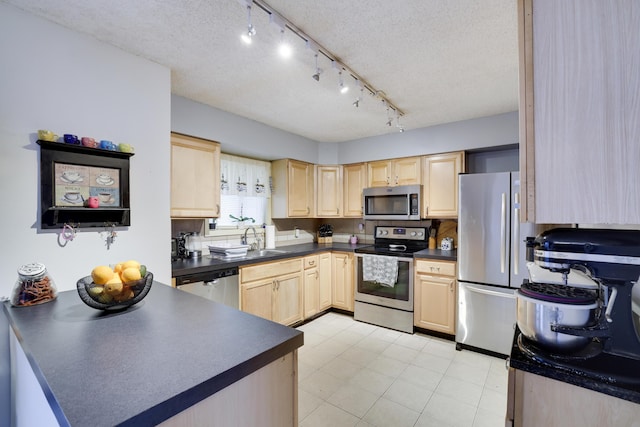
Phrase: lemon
(113, 286)
(129, 264)
(101, 274)
(95, 291)
(131, 274)
(117, 268)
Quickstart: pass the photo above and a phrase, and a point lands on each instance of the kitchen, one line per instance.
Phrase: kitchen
(45, 69)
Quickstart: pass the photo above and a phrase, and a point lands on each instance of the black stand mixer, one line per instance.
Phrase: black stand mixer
(612, 259)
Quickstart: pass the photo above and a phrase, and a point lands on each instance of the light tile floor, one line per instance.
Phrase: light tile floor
(355, 374)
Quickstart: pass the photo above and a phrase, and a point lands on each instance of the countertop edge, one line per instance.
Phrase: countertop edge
(5, 371)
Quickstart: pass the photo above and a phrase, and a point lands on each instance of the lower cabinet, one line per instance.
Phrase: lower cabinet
(534, 400)
(342, 280)
(273, 290)
(435, 295)
(317, 283)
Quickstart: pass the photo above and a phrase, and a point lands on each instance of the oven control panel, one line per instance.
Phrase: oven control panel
(404, 233)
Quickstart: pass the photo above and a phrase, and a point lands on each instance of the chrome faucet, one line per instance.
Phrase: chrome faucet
(255, 245)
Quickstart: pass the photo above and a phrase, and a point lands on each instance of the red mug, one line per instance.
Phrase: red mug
(89, 142)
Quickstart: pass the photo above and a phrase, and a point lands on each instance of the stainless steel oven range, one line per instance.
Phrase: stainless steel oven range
(384, 285)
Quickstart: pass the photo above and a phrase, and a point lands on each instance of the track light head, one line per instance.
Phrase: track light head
(356, 103)
(316, 76)
(251, 30)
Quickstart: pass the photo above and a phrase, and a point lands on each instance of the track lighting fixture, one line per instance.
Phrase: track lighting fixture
(285, 25)
(247, 36)
(316, 75)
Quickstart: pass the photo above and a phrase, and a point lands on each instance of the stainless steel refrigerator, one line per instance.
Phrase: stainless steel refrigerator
(491, 259)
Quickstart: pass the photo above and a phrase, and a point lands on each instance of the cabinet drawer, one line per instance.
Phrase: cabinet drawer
(270, 269)
(310, 261)
(444, 268)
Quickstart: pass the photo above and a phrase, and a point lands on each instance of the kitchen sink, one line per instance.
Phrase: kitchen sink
(265, 252)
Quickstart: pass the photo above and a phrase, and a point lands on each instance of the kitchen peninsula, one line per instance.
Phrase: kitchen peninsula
(172, 359)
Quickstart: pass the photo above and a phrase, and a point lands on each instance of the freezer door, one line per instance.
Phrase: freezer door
(484, 228)
(486, 317)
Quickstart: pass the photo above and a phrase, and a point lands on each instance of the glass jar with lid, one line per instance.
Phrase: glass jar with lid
(33, 286)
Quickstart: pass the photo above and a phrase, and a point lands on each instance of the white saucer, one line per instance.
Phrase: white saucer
(105, 182)
(67, 180)
(75, 202)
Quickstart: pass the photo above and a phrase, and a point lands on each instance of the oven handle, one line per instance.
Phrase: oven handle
(399, 258)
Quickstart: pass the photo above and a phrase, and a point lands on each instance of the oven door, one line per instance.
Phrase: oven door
(399, 296)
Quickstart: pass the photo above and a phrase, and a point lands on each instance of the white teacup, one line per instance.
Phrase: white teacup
(70, 175)
(72, 196)
(105, 197)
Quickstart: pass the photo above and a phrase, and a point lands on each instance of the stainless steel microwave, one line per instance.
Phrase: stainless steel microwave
(392, 203)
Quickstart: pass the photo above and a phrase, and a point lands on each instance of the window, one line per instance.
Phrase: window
(244, 190)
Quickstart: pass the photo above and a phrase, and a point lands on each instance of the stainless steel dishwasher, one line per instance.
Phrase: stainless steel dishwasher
(220, 285)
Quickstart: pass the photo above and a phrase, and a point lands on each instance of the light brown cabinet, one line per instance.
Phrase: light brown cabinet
(342, 280)
(293, 189)
(328, 191)
(579, 111)
(273, 290)
(534, 400)
(354, 180)
(317, 283)
(403, 171)
(195, 177)
(435, 295)
(440, 184)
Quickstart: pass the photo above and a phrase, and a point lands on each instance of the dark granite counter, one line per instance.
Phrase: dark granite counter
(5, 373)
(207, 263)
(437, 254)
(143, 365)
(609, 374)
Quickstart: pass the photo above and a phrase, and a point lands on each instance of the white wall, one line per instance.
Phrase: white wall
(54, 78)
(492, 131)
(238, 135)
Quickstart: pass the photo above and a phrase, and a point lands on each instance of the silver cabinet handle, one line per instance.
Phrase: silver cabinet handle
(503, 233)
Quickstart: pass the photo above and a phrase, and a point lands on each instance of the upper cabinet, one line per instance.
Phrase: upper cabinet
(440, 184)
(195, 177)
(354, 179)
(385, 173)
(579, 109)
(293, 184)
(328, 191)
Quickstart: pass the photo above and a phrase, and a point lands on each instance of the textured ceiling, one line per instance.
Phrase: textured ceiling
(438, 61)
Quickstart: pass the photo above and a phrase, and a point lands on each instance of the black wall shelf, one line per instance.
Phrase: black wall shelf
(56, 157)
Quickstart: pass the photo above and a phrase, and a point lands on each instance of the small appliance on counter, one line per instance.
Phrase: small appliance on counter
(325, 233)
(189, 245)
(588, 312)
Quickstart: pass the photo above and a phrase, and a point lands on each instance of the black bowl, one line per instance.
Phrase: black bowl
(94, 295)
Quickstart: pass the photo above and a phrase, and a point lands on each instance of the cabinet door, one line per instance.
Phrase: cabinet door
(288, 304)
(579, 109)
(435, 298)
(328, 191)
(342, 280)
(353, 178)
(195, 177)
(311, 292)
(324, 291)
(406, 171)
(379, 173)
(257, 298)
(300, 189)
(440, 189)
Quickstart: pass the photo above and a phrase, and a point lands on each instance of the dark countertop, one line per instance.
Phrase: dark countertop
(207, 263)
(609, 374)
(143, 365)
(5, 373)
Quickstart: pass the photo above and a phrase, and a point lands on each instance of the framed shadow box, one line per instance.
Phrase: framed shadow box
(70, 174)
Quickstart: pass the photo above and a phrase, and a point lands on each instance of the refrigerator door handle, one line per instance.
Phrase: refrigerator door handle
(503, 233)
(516, 233)
(490, 292)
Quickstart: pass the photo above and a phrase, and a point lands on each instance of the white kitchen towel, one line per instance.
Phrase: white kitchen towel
(270, 237)
(381, 269)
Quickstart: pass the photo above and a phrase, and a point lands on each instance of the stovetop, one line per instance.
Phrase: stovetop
(397, 241)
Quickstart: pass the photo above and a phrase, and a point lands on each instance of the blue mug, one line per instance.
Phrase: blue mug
(71, 139)
(107, 145)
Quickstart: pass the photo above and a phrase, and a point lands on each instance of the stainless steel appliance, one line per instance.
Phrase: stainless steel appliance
(491, 260)
(188, 245)
(608, 342)
(392, 203)
(221, 286)
(384, 284)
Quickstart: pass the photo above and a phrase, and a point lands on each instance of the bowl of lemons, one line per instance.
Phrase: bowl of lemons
(115, 287)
